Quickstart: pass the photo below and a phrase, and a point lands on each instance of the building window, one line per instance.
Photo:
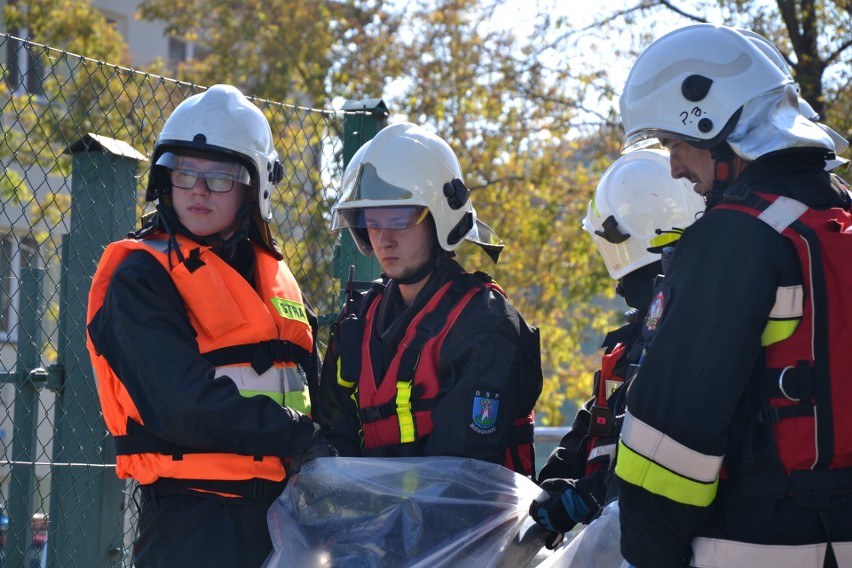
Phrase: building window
(15, 253)
(178, 52)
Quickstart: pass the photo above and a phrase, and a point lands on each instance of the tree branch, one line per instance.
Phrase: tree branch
(680, 12)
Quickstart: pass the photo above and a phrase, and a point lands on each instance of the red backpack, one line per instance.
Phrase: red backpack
(807, 393)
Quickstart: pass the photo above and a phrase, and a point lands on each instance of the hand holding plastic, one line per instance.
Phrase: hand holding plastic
(562, 509)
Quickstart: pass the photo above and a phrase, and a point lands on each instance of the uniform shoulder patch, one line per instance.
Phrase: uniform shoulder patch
(655, 311)
(486, 405)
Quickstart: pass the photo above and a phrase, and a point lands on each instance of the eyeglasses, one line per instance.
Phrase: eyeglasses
(219, 175)
(217, 182)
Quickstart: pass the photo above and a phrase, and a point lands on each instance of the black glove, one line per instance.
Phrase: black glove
(563, 507)
(318, 447)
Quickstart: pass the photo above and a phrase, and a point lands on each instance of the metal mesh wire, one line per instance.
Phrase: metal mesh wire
(50, 99)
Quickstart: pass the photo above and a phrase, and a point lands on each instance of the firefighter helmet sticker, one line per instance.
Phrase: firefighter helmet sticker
(484, 412)
(655, 312)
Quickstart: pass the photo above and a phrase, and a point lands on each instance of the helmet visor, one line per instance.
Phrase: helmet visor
(650, 138)
(404, 217)
(369, 186)
(219, 176)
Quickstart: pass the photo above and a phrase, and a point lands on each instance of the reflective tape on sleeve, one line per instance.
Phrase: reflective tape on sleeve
(639, 470)
(785, 315)
(717, 552)
(777, 330)
(788, 302)
(670, 454)
(285, 385)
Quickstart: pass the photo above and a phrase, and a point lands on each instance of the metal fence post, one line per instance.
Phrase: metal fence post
(103, 209)
(362, 121)
(24, 445)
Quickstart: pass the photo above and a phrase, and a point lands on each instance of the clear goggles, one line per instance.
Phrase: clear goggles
(219, 177)
(402, 217)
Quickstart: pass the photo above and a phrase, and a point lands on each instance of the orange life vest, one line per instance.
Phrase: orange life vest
(256, 337)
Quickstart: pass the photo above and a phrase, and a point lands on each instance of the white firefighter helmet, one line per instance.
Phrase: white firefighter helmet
(412, 170)
(769, 49)
(220, 124)
(691, 83)
(639, 206)
(805, 109)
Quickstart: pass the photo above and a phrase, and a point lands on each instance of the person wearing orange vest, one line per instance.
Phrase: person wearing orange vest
(203, 344)
(736, 447)
(638, 211)
(433, 360)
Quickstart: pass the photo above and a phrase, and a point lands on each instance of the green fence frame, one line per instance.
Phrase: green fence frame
(90, 511)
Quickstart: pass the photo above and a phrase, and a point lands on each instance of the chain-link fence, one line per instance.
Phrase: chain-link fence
(71, 124)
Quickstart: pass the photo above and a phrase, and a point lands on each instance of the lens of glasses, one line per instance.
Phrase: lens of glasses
(216, 182)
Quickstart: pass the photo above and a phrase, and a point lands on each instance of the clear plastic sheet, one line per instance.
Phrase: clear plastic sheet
(404, 512)
(595, 546)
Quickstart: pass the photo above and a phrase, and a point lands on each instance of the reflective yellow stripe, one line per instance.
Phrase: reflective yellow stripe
(300, 401)
(778, 330)
(785, 315)
(285, 385)
(403, 412)
(638, 470)
(664, 239)
(340, 380)
(296, 400)
(276, 396)
(662, 449)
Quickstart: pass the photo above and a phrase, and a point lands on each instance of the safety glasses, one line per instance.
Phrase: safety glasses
(217, 182)
(218, 176)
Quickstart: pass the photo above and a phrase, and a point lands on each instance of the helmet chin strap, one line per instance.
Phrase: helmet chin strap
(228, 245)
(724, 172)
